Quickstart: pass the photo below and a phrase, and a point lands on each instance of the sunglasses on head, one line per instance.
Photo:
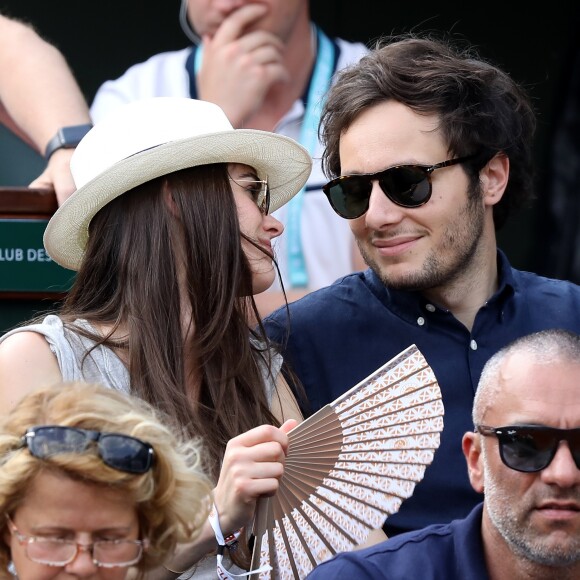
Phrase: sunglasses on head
(532, 448)
(404, 185)
(121, 452)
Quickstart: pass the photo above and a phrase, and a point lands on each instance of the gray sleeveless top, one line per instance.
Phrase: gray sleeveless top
(103, 366)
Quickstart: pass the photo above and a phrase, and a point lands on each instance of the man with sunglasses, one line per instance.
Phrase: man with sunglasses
(524, 455)
(431, 151)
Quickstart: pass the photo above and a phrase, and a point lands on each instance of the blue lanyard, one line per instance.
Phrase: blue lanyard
(319, 85)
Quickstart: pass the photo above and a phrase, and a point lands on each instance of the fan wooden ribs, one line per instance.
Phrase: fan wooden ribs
(349, 467)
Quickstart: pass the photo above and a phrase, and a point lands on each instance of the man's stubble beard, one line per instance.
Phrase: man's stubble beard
(516, 529)
(446, 262)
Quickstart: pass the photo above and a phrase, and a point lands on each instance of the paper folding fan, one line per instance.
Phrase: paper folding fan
(349, 466)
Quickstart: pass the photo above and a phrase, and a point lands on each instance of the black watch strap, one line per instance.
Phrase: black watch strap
(66, 138)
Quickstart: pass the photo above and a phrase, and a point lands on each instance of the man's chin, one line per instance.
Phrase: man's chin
(400, 277)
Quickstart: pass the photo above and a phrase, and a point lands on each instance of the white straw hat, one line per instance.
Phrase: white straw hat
(153, 137)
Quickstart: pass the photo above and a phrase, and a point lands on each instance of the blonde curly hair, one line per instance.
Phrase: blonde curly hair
(172, 499)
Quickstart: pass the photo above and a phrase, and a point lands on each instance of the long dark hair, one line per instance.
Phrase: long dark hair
(129, 277)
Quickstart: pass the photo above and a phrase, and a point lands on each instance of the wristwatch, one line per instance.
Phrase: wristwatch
(66, 138)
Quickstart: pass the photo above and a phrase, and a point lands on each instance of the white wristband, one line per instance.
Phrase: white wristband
(231, 542)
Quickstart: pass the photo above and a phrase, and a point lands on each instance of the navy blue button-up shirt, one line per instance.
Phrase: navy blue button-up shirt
(449, 551)
(338, 335)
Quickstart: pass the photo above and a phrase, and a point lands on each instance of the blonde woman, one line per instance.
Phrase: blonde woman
(93, 484)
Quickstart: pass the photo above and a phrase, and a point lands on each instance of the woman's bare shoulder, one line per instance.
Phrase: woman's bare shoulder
(26, 363)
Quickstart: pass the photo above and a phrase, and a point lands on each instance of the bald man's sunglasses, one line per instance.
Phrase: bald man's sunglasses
(532, 448)
(405, 185)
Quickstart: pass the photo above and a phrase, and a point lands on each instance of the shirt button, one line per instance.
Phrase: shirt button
(420, 321)
(430, 307)
(473, 345)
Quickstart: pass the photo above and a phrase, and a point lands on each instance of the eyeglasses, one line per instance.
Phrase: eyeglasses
(121, 452)
(59, 552)
(404, 185)
(532, 448)
(259, 189)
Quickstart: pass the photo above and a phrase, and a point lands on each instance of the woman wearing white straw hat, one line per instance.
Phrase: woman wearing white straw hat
(170, 234)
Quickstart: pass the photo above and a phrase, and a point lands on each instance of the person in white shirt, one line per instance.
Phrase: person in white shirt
(268, 66)
(41, 102)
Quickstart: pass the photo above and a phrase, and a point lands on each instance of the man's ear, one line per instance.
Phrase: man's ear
(471, 445)
(494, 178)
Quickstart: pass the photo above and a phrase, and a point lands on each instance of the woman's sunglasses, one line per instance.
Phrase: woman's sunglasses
(259, 189)
(121, 452)
(532, 448)
(404, 185)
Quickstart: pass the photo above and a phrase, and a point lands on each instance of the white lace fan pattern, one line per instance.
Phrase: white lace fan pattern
(349, 467)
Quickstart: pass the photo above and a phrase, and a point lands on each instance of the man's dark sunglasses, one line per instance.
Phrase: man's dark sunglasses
(121, 452)
(532, 448)
(404, 185)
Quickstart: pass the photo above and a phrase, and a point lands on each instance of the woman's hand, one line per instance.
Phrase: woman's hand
(253, 465)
